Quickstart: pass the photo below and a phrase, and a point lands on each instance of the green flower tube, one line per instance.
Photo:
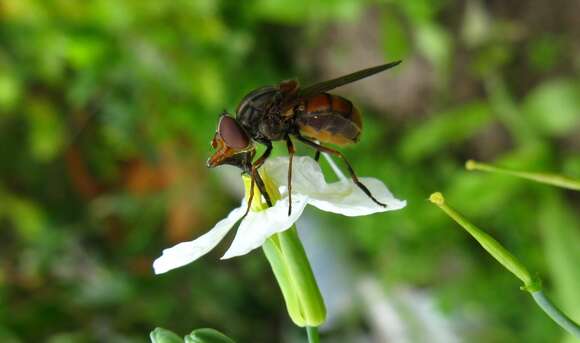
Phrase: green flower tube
(290, 265)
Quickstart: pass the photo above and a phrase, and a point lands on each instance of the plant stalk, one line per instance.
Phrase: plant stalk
(557, 316)
(550, 179)
(510, 262)
(312, 333)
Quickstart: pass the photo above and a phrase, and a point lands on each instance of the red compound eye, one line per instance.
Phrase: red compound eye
(232, 133)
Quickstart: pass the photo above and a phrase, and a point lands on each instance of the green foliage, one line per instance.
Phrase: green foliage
(160, 335)
(444, 129)
(207, 336)
(295, 12)
(396, 42)
(204, 335)
(554, 107)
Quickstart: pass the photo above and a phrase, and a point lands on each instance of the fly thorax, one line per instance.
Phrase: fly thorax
(253, 108)
(273, 127)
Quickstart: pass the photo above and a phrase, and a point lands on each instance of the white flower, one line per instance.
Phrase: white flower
(308, 187)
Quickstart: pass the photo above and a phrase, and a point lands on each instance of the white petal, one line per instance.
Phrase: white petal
(342, 197)
(346, 198)
(187, 252)
(307, 176)
(258, 226)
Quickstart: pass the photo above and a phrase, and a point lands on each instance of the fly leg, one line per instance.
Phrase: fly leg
(337, 153)
(258, 163)
(251, 197)
(291, 152)
(255, 175)
(317, 156)
(262, 188)
(256, 181)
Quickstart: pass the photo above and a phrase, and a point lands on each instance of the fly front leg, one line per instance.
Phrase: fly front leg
(256, 175)
(258, 163)
(256, 180)
(251, 197)
(291, 152)
(355, 179)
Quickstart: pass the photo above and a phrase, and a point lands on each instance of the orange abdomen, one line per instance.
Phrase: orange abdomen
(330, 119)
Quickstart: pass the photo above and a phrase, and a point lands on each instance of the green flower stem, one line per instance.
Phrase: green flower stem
(278, 264)
(550, 179)
(510, 262)
(290, 266)
(301, 275)
(558, 316)
(493, 247)
(312, 333)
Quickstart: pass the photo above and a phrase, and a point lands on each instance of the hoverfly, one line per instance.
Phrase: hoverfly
(286, 111)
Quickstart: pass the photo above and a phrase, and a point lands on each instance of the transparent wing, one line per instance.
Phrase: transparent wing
(343, 80)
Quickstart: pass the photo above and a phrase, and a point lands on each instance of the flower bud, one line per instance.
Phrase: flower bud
(160, 335)
(493, 247)
(207, 335)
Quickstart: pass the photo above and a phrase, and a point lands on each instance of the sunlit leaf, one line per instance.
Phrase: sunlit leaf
(444, 129)
(554, 107)
(395, 39)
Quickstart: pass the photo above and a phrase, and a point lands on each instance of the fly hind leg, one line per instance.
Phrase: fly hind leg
(317, 156)
(262, 188)
(337, 153)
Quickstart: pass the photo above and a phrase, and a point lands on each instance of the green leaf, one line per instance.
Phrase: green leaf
(27, 217)
(47, 132)
(435, 43)
(207, 335)
(554, 107)
(160, 335)
(394, 37)
(443, 129)
(491, 58)
(10, 90)
(299, 10)
(545, 51)
(476, 24)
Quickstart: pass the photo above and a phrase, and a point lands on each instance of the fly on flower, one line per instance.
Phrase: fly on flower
(276, 113)
(286, 110)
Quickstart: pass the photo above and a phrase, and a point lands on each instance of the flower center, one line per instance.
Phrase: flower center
(258, 203)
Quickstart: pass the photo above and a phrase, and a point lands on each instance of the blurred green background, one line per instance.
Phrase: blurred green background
(106, 112)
